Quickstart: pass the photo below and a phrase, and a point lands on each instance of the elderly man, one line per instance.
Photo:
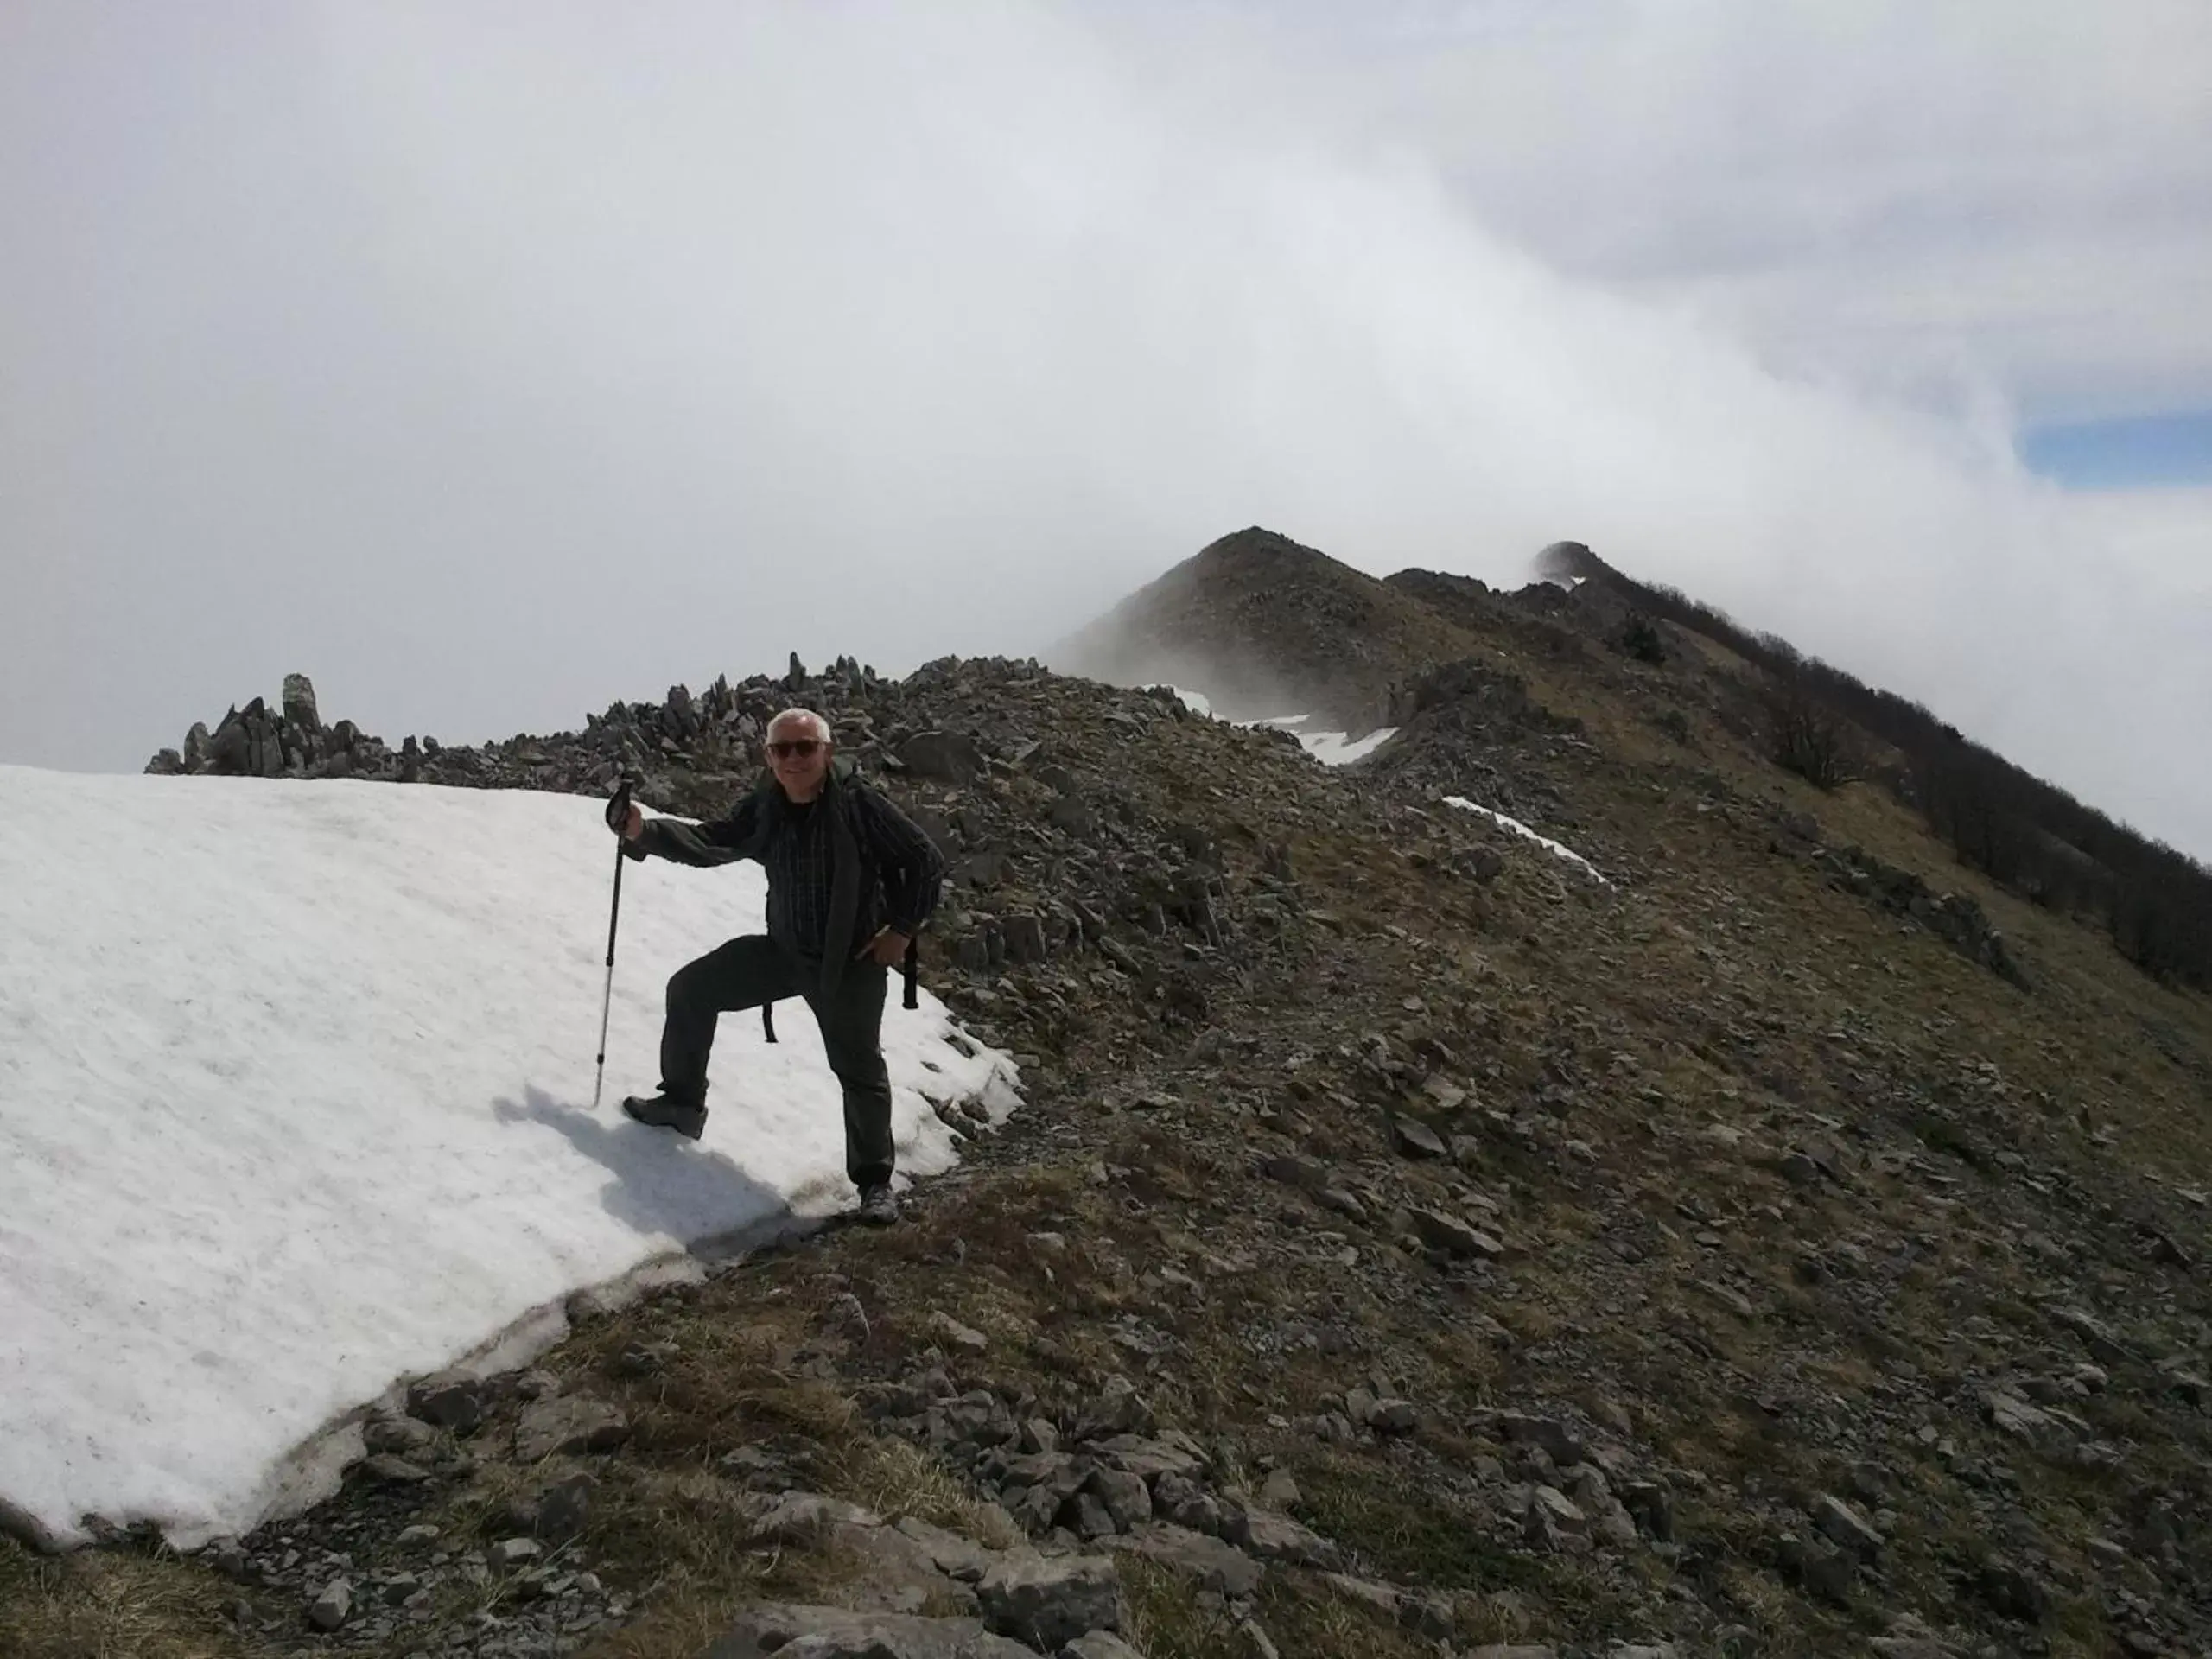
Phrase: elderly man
(851, 880)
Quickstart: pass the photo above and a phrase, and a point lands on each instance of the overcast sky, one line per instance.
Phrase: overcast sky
(491, 361)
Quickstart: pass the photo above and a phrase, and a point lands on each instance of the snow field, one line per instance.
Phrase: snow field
(296, 1086)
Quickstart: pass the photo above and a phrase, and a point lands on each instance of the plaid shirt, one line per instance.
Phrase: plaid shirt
(903, 866)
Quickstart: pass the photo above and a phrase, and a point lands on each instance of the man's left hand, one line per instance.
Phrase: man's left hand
(886, 950)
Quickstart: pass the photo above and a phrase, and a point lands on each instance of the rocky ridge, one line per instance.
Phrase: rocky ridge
(1458, 1256)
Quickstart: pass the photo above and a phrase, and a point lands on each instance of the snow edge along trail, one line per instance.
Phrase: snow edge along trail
(295, 1104)
(1330, 748)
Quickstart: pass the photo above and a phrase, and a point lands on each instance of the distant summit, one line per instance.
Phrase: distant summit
(1266, 626)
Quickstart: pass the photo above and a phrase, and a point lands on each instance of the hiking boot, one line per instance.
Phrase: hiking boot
(662, 1113)
(878, 1204)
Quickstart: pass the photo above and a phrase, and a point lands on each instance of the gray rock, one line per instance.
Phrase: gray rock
(401, 1434)
(2095, 1336)
(1179, 1499)
(898, 1574)
(1513, 1650)
(1151, 1458)
(1552, 1520)
(452, 1400)
(1099, 1644)
(1429, 1614)
(574, 1422)
(1293, 1169)
(1086, 1516)
(953, 1556)
(564, 1509)
(948, 757)
(1025, 937)
(1392, 1416)
(332, 1607)
(1448, 1233)
(1126, 1498)
(1034, 1509)
(1653, 1507)
(2011, 1415)
(1734, 1300)
(1049, 1600)
(514, 1552)
(1416, 1139)
(1218, 1566)
(1841, 1525)
(1056, 1473)
(1118, 1410)
(1274, 1537)
(964, 1337)
(1382, 1598)
(1823, 1571)
(299, 703)
(839, 1633)
(2013, 1591)
(1555, 1438)
(845, 1316)
(394, 1470)
(805, 1517)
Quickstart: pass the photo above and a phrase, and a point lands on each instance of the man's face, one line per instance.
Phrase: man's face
(798, 753)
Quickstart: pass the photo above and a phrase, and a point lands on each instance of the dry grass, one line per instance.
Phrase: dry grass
(109, 1604)
(1169, 1618)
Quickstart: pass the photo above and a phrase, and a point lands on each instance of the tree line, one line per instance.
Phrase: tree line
(2031, 836)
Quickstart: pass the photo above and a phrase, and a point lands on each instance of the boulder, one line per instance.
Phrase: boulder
(1218, 1566)
(946, 757)
(452, 1400)
(574, 1422)
(299, 703)
(1048, 1600)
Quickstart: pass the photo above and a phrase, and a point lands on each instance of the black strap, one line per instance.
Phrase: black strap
(910, 970)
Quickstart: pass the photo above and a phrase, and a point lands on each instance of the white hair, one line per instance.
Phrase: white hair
(801, 717)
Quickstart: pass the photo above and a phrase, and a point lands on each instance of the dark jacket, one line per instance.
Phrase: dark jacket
(882, 870)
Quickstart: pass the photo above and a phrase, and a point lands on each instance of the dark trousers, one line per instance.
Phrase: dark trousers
(746, 972)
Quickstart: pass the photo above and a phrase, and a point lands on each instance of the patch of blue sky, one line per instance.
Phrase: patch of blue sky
(2139, 452)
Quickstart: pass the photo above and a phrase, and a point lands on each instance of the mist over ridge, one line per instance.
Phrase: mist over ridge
(490, 372)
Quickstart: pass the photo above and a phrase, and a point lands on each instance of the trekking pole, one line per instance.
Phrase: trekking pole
(618, 815)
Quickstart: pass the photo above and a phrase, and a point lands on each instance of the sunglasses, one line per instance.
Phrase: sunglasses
(803, 748)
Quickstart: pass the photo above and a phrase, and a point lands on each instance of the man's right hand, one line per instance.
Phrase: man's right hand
(622, 816)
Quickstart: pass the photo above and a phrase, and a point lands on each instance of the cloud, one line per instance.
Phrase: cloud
(490, 362)
(1929, 195)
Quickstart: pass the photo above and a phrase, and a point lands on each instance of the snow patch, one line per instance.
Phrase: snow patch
(1521, 828)
(1330, 748)
(296, 1087)
(1340, 748)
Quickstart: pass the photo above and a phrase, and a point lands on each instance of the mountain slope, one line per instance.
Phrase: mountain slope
(1451, 1247)
(1265, 627)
